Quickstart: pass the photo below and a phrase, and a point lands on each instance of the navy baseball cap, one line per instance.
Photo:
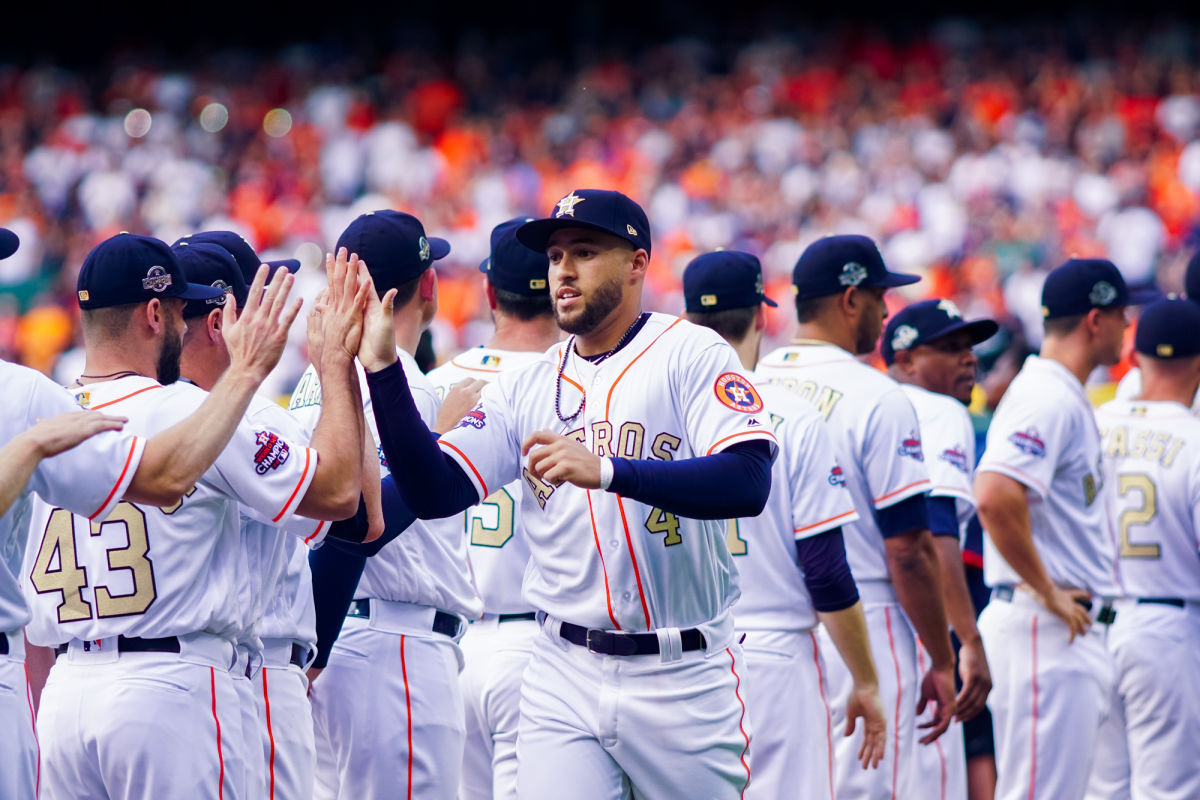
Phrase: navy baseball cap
(723, 280)
(1080, 284)
(9, 242)
(1191, 278)
(833, 264)
(128, 268)
(247, 260)
(928, 320)
(512, 266)
(394, 245)
(211, 264)
(1167, 329)
(595, 209)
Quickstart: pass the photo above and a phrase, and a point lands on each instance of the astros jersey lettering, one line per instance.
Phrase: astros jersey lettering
(675, 391)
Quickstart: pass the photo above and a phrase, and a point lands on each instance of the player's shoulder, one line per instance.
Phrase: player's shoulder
(682, 334)
(27, 395)
(1130, 385)
(934, 407)
(265, 412)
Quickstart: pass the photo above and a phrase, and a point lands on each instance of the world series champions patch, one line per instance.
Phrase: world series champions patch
(737, 393)
(272, 452)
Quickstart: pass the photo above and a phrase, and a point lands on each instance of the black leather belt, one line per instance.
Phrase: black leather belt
(134, 644)
(528, 615)
(1178, 602)
(299, 655)
(624, 644)
(3, 644)
(1105, 616)
(443, 622)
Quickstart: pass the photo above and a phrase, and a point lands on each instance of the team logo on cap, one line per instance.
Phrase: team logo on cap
(903, 337)
(1029, 442)
(758, 285)
(950, 308)
(156, 280)
(735, 392)
(957, 458)
(911, 447)
(1102, 293)
(566, 206)
(853, 273)
(837, 477)
(475, 418)
(219, 301)
(632, 231)
(272, 452)
(423, 248)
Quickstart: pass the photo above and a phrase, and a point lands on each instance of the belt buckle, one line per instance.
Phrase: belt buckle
(594, 639)
(1107, 615)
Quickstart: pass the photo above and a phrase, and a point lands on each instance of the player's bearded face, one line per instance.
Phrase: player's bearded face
(870, 324)
(596, 304)
(172, 347)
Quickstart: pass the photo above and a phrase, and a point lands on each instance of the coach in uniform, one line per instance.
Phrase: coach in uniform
(1049, 552)
(635, 440)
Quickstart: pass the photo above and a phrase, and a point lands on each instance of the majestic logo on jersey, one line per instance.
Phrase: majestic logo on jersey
(219, 301)
(735, 392)
(957, 458)
(911, 447)
(853, 273)
(1102, 293)
(423, 249)
(950, 308)
(566, 206)
(475, 418)
(1029, 442)
(490, 361)
(904, 337)
(272, 452)
(837, 477)
(156, 280)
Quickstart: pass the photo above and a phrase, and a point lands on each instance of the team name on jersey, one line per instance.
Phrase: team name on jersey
(822, 398)
(1159, 446)
(308, 392)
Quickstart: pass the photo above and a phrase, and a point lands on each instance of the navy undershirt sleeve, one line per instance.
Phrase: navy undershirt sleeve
(336, 568)
(431, 483)
(826, 571)
(907, 515)
(943, 516)
(733, 483)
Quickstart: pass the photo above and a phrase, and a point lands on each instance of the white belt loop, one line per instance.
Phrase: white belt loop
(670, 644)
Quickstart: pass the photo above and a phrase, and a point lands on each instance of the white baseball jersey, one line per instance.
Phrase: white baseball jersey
(1131, 386)
(155, 572)
(427, 564)
(499, 550)
(598, 559)
(1153, 451)
(89, 479)
(948, 439)
(875, 434)
(808, 497)
(1044, 435)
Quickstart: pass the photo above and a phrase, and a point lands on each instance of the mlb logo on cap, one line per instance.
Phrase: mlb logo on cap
(723, 280)
(129, 269)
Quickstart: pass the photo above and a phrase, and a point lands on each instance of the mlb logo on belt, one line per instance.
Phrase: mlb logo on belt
(735, 392)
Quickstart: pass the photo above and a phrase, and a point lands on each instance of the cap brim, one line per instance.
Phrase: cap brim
(199, 291)
(483, 265)
(980, 330)
(438, 248)
(536, 235)
(890, 280)
(290, 264)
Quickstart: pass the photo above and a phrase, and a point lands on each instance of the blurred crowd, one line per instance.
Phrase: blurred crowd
(977, 157)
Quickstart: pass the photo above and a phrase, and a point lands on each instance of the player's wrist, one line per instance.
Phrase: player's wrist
(606, 473)
(376, 362)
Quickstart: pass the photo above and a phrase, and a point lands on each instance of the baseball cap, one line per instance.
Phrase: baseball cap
(1191, 278)
(247, 260)
(213, 265)
(595, 209)
(128, 268)
(723, 280)
(1080, 284)
(512, 266)
(9, 242)
(394, 245)
(923, 322)
(1167, 329)
(833, 264)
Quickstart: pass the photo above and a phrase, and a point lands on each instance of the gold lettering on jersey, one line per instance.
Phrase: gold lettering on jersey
(602, 443)
(1160, 446)
(629, 440)
(578, 435)
(131, 557)
(776, 421)
(822, 398)
(171, 509)
(541, 490)
(1090, 489)
(665, 446)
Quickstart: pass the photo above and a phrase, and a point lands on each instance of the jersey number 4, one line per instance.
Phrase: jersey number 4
(69, 578)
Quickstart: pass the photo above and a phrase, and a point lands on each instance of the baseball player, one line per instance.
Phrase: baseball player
(387, 709)
(1049, 550)
(927, 347)
(839, 283)
(141, 605)
(1151, 445)
(496, 647)
(792, 564)
(1131, 384)
(634, 440)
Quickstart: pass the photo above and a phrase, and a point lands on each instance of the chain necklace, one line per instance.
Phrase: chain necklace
(125, 373)
(624, 340)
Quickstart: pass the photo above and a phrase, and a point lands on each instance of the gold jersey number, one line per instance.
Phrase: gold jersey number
(1142, 515)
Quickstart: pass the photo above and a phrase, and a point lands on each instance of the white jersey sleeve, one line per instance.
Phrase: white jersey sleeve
(892, 455)
(721, 405)
(484, 444)
(948, 440)
(1017, 445)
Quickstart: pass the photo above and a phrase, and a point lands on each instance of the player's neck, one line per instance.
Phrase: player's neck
(408, 327)
(821, 332)
(1166, 388)
(524, 336)
(747, 350)
(116, 358)
(607, 334)
(1071, 355)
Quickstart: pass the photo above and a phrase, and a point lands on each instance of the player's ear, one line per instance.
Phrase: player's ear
(760, 317)
(1092, 321)
(641, 263)
(213, 324)
(428, 285)
(154, 315)
(490, 292)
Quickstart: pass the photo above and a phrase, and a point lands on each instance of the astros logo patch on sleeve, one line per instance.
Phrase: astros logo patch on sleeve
(735, 392)
(272, 452)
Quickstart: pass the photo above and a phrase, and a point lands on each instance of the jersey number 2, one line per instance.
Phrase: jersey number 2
(69, 577)
(1138, 482)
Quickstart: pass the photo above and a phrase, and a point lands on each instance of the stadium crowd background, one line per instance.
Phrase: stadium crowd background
(979, 156)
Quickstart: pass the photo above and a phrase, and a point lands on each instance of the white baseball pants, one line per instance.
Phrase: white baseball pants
(19, 759)
(285, 718)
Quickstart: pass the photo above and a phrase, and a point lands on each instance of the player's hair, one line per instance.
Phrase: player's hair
(809, 308)
(732, 324)
(406, 291)
(522, 306)
(106, 324)
(1062, 326)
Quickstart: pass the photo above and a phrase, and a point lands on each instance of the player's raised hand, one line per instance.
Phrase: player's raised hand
(316, 330)
(976, 680)
(54, 435)
(462, 397)
(558, 460)
(937, 687)
(1062, 604)
(378, 347)
(866, 704)
(343, 317)
(255, 337)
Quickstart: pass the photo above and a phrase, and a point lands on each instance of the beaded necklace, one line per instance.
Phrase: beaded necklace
(624, 340)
